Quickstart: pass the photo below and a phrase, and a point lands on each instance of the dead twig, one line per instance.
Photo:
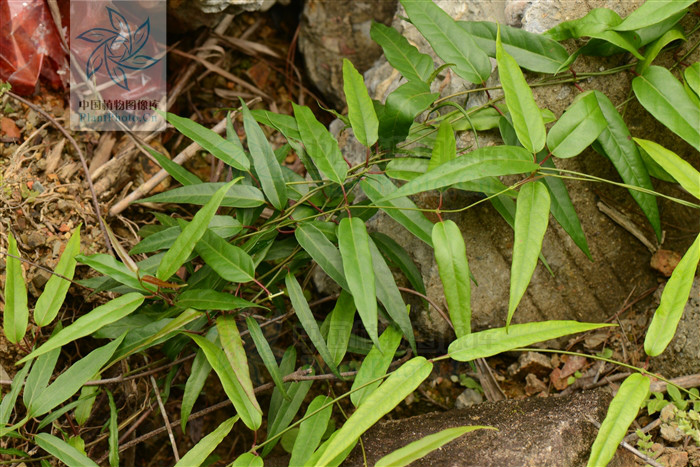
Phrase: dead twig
(165, 418)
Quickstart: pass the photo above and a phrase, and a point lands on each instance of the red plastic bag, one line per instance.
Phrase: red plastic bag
(30, 45)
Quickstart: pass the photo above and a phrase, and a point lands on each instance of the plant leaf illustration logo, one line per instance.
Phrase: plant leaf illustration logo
(118, 49)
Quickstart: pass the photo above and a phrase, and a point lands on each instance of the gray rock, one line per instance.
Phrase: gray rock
(682, 356)
(468, 398)
(551, 431)
(191, 14)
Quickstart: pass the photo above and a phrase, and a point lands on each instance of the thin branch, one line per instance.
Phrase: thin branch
(165, 418)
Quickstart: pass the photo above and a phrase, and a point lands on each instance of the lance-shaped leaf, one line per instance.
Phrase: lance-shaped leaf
(491, 342)
(229, 261)
(195, 381)
(201, 451)
(175, 170)
(266, 166)
(622, 411)
(577, 128)
(445, 146)
(484, 162)
(335, 462)
(190, 235)
(238, 196)
(311, 430)
(652, 13)
(527, 119)
(235, 353)
(531, 220)
(682, 171)
(207, 299)
(101, 316)
(597, 20)
(375, 365)
(285, 124)
(653, 50)
(113, 432)
(378, 187)
(403, 56)
(451, 43)
(63, 451)
(307, 320)
(250, 414)
(340, 327)
(51, 299)
(16, 315)
(451, 258)
(400, 257)
(390, 296)
(320, 145)
(401, 108)
(664, 97)
(533, 52)
(420, 448)
(41, 373)
(359, 272)
(361, 113)
(210, 141)
(10, 397)
(265, 352)
(285, 412)
(322, 251)
(71, 380)
(616, 143)
(397, 386)
(692, 77)
(673, 299)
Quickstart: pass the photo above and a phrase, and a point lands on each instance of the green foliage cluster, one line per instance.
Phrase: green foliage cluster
(247, 250)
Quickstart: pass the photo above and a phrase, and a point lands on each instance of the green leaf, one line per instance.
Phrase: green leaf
(577, 128)
(85, 401)
(51, 299)
(238, 196)
(313, 460)
(266, 166)
(616, 143)
(9, 399)
(653, 50)
(251, 415)
(400, 257)
(195, 382)
(16, 314)
(341, 322)
(494, 341)
(664, 97)
(110, 266)
(90, 322)
(420, 448)
(682, 171)
(41, 373)
(651, 13)
(223, 226)
(531, 220)
(531, 51)
(285, 124)
(361, 113)
(113, 432)
(375, 365)
(210, 141)
(265, 352)
(673, 299)
(190, 235)
(483, 162)
(377, 187)
(449, 41)
(320, 145)
(235, 353)
(200, 451)
(322, 251)
(401, 108)
(406, 168)
(311, 430)
(307, 320)
(286, 412)
(620, 40)
(229, 261)
(692, 77)
(597, 20)
(445, 146)
(63, 451)
(400, 54)
(248, 459)
(175, 170)
(71, 380)
(527, 119)
(359, 272)
(390, 296)
(451, 259)
(207, 299)
(397, 386)
(622, 411)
